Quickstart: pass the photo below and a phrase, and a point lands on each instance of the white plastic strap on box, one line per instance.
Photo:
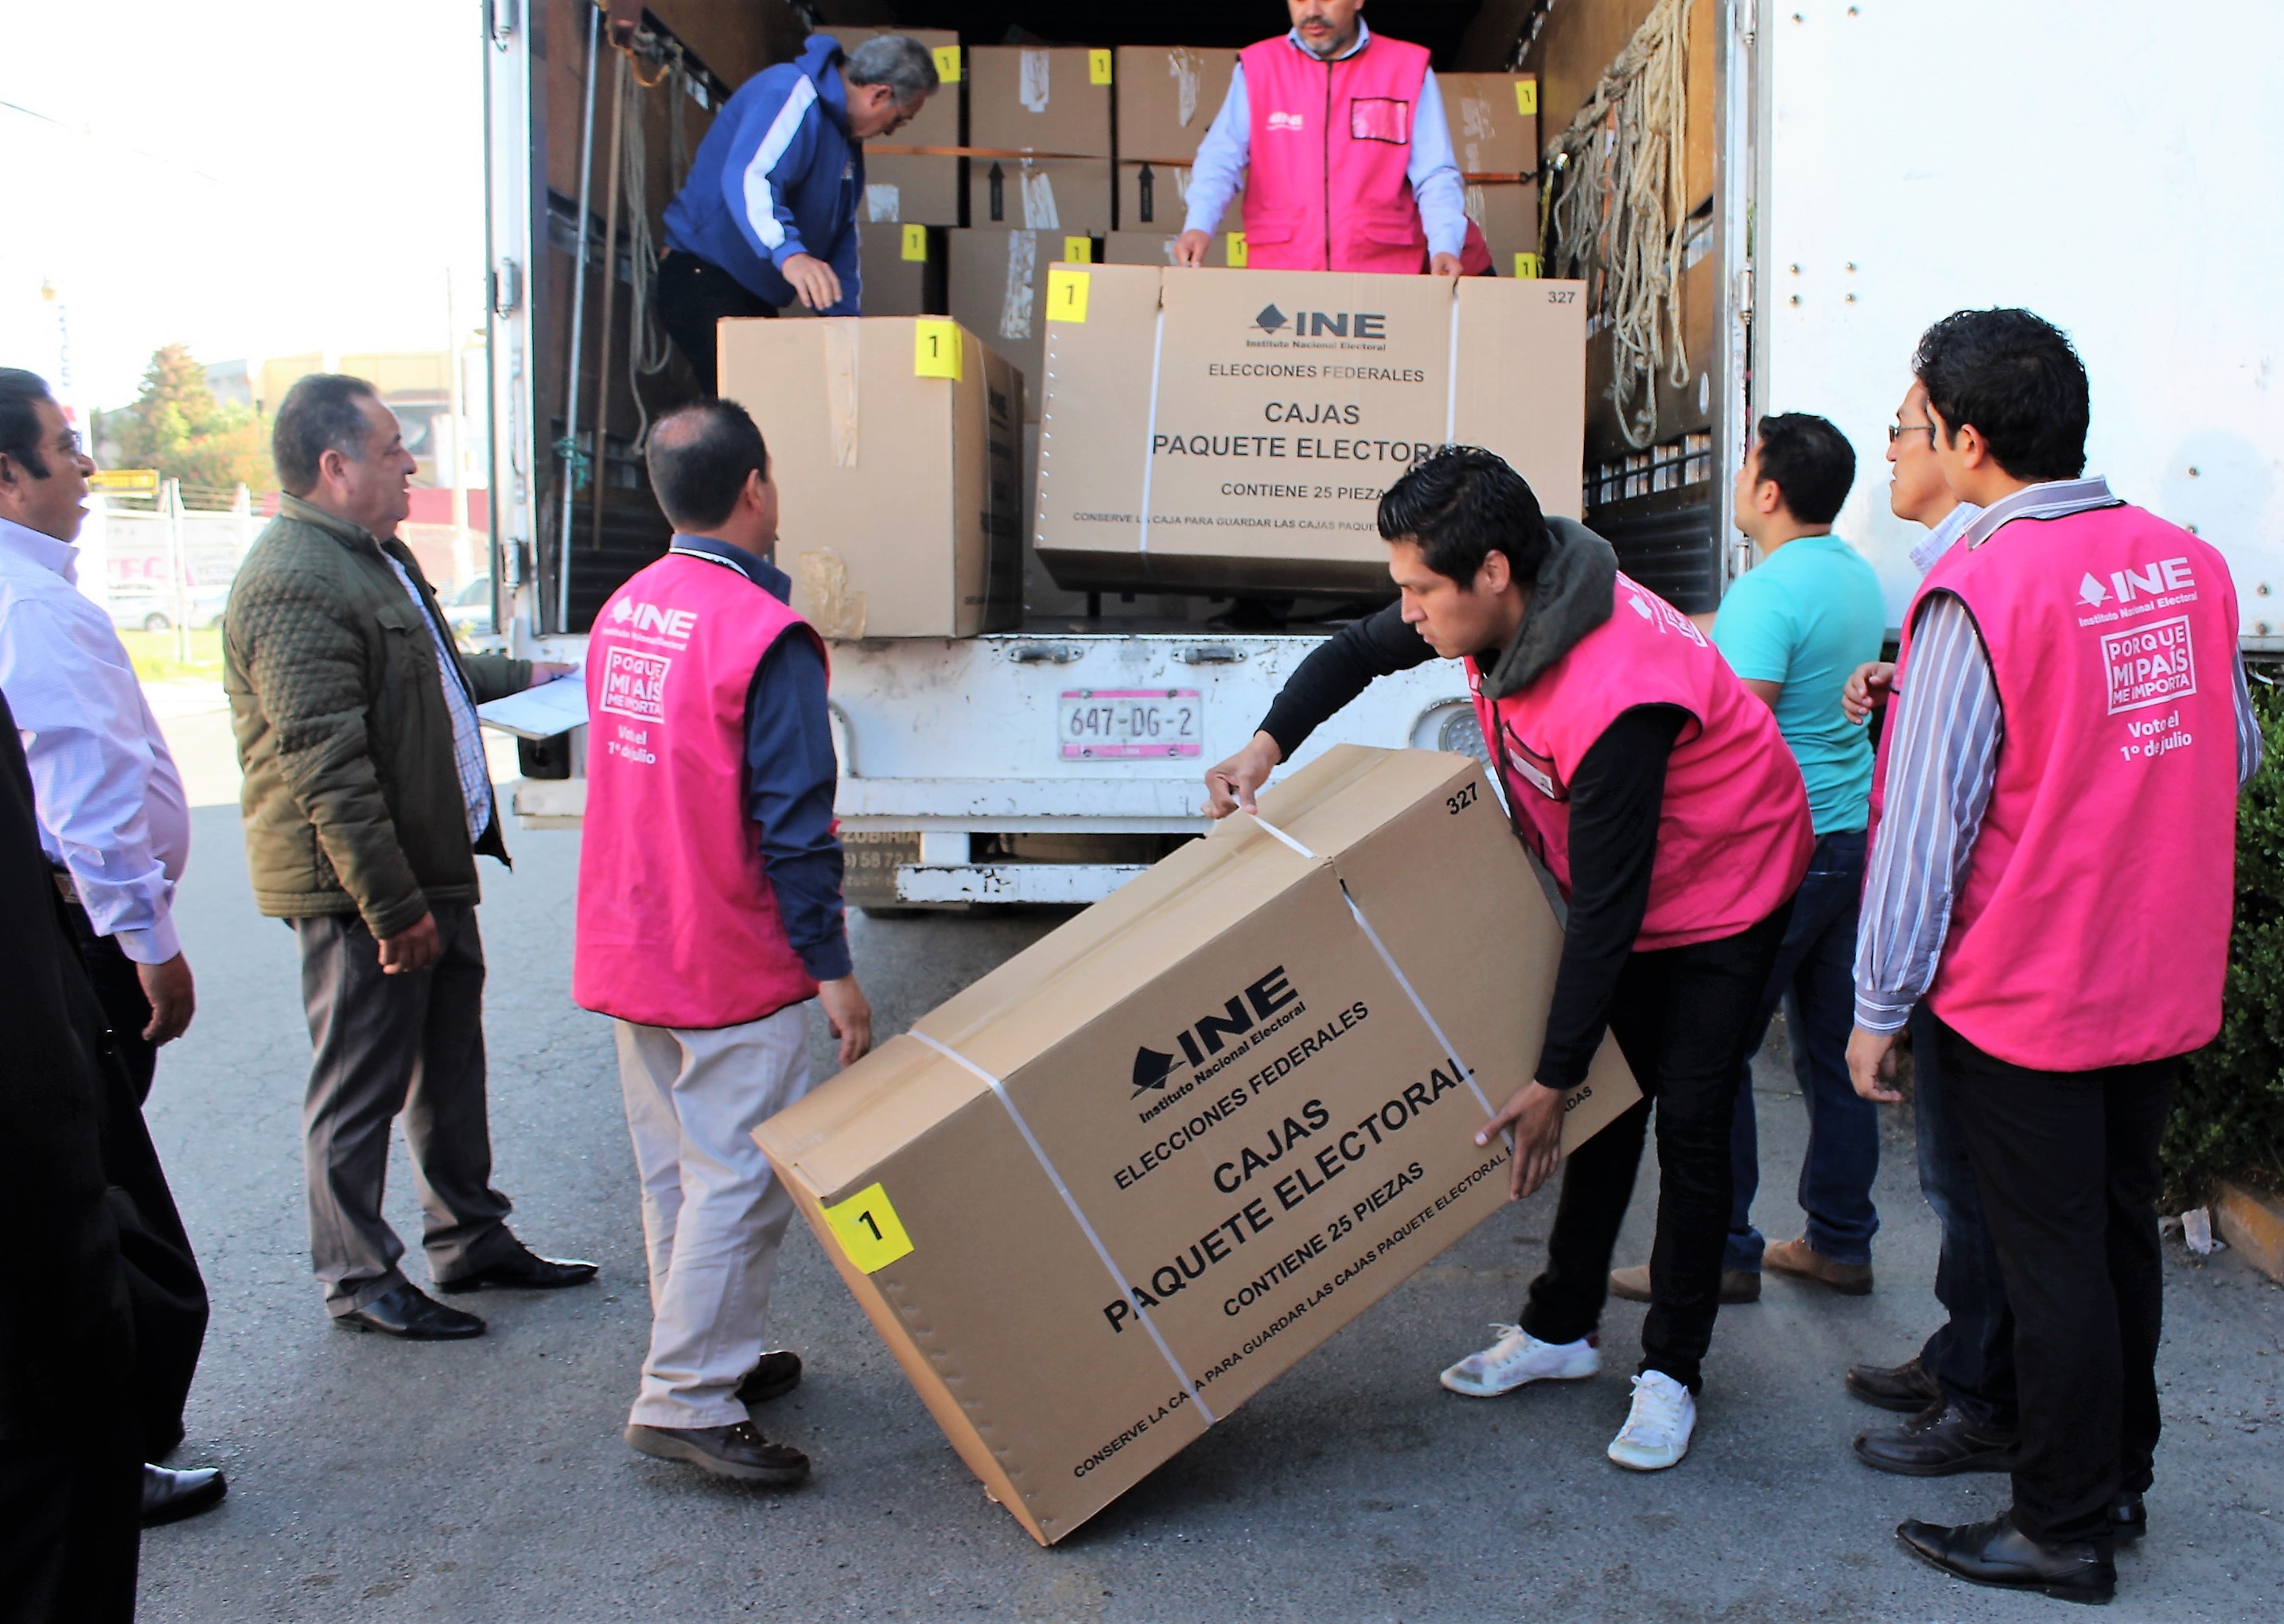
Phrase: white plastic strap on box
(1150, 437)
(1467, 1072)
(1077, 1214)
(1452, 366)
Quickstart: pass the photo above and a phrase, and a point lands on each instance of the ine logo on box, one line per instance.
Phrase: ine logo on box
(1209, 1034)
(1323, 324)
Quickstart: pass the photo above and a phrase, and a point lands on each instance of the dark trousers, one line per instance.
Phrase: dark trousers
(692, 296)
(389, 1044)
(2067, 1163)
(71, 1526)
(1684, 1019)
(1814, 980)
(1971, 1355)
(164, 1286)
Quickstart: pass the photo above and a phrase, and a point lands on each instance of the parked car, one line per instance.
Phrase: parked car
(151, 606)
(468, 611)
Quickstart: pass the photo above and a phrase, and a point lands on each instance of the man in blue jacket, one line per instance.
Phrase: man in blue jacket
(768, 213)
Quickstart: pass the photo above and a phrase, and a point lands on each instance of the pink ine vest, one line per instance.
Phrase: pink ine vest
(1324, 186)
(2093, 927)
(1734, 837)
(676, 926)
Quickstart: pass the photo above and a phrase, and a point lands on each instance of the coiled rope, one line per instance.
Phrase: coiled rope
(1619, 217)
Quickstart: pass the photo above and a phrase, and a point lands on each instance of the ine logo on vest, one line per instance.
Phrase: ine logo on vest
(1202, 1042)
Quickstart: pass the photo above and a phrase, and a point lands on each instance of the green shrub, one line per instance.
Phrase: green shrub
(2228, 1111)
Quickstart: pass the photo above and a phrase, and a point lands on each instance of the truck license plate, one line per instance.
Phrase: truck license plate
(1094, 724)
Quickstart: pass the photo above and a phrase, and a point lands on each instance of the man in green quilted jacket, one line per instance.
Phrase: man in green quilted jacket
(366, 801)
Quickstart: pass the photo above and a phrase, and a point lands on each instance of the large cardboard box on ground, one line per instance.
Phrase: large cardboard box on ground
(1040, 99)
(939, 121)
(897, 446)
(1241, 444)
(1167, 95)
(1113, 1190)
(1074, 195)
(914, 189)
(1155, 197)
(1494, 121)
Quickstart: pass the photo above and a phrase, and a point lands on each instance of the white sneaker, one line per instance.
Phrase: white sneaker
(1519, 1358)
(1656, 1432)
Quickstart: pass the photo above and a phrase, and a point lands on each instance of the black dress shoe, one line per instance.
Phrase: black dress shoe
(527, 1272)
(1936, 1442)
(776, 1375)
(735, 1452)
(1905, 1388)
(404, 1310)
(170, 1497)
(1997, 1553)
(2129, 1518)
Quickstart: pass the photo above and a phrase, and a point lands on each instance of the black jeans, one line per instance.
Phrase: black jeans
(692, 296)
(1684, 1018)
(168, 1293)
(1971, 1355)
(2067, 1163)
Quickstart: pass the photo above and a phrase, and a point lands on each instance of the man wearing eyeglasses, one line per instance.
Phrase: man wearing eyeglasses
(116, 828)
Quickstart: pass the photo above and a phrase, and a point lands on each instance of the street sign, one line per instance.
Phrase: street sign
(125, 481)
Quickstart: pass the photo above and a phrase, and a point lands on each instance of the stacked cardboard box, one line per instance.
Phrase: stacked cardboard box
(1167, 95)
(1220, 431)
(1054, 102)
(904, 270)
(1227, 248)
(1494, 124)
(997, 281)
(897, 446)
(1117, 1186)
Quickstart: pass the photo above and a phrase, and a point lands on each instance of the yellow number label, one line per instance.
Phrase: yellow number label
(1526, 265)
(916, 242)
(868, 1230)
(1526, 98)
(1237, 251)
(1098, 67)
(935, 350)
(1066, 294)
(947, 64)
(1079, 250)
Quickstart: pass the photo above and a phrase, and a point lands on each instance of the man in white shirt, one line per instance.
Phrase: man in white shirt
(116, 829)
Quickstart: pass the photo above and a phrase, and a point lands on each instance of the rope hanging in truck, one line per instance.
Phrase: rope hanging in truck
(1622, 208)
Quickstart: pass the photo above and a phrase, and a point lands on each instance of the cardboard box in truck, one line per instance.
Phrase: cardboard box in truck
(1041, 194)
(1157, 248)
(903, 268)
(1494, 121)
(895, 443)
(1113, 1190)
(1508, 214)
(1051, 99)
(914, 189)
(1242, 445)
(1167, 95)
(997, 288)
(1155, 197)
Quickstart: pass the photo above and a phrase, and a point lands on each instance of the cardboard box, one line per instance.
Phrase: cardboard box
(939, 123)
(1494, 121)
(1284, 402)
(904, 271)
(1167, 95)
(896, 445)
(1117, 1186)
(1157, 248)
(1041, 99)
(1508, 214)
(996, 287)
(914, 189)
(1041, 194)
(1155, 197)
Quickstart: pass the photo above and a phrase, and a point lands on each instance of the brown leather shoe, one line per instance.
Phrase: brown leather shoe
(1905, 1388)
(1737, 1285)
(1797, 1257)
(736, 1451)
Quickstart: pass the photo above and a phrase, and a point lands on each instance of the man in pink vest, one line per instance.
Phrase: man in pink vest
(2053, 870)
(709, 914)
(1337, 135)
(1662, 798)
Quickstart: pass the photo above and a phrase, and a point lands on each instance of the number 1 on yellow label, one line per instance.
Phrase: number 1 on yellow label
(936, 349)
(1066, 293)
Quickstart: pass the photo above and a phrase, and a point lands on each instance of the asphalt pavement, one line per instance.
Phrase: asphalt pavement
(487, 1481)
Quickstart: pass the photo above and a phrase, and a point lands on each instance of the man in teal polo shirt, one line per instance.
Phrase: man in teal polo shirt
(1793, 628)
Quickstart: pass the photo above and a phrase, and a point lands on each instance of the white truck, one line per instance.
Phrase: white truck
(1852, 172)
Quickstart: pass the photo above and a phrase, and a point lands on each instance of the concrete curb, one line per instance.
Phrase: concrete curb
(2254, 1224)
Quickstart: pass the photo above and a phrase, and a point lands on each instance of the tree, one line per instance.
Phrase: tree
(177, 427)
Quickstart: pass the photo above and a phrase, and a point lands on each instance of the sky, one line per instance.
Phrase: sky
(265, 178)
